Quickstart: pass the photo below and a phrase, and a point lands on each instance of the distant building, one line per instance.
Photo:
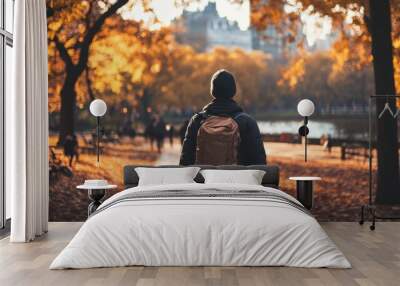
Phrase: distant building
(205, 30)
(279, 45)
(268, 41)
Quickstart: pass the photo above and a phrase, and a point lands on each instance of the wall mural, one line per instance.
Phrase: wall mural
(152, 63)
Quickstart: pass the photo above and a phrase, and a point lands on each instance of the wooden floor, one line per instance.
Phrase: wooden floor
(375, 257)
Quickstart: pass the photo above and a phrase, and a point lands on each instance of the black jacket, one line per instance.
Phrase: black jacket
(251, 148)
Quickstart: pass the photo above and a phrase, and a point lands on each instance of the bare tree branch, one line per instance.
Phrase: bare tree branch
(92, 31)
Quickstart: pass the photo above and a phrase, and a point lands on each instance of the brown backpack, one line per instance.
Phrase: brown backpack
(218, 141)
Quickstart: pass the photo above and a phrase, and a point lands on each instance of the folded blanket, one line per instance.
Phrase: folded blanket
(207, 194)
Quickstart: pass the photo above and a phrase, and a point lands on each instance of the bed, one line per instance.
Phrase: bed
(198, 224)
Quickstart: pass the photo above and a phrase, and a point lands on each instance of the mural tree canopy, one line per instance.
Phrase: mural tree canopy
(72, 27)
(94, 51)
(367, 22)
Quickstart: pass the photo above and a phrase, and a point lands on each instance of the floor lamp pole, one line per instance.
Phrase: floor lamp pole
(305, 148)
(305, 137)
(98, 141)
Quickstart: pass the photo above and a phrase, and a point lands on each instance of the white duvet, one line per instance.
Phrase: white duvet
(200, 231)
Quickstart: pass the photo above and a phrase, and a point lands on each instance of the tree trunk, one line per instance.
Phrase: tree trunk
(68, 105)
(388, 183)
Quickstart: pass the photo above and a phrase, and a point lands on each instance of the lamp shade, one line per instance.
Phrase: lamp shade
(98, 107)
(305, 107)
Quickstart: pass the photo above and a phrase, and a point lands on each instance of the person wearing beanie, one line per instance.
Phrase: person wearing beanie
(223, 89)
(223, 85)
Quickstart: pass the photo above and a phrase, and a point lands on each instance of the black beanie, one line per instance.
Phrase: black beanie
(223, 84)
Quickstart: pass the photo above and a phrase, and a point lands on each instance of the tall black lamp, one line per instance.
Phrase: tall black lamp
(96, 187)
(98, 108)
(305, 108)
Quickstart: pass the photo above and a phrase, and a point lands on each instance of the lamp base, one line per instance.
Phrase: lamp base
(95, 196)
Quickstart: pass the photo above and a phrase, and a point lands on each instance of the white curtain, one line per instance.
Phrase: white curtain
(27, 124)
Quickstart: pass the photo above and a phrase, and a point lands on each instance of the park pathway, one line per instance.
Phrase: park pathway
(170, 154)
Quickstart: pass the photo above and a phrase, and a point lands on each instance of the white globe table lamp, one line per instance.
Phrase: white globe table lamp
(98, 108)
(305, 108)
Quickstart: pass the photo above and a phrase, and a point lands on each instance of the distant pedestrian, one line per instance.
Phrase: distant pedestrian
(171, 133)
(126, 127)
(149, 132)
(71, 148)
(328, 143)
(159, 130)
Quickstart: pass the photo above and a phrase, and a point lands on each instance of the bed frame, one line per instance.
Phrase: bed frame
(270, 179)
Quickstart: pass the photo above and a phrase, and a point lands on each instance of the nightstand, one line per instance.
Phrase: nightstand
(304, 190)
(96, 194)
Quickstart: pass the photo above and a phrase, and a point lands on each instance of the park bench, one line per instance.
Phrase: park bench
(349, 151)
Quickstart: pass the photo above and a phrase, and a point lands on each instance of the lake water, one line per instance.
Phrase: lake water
(349, 128)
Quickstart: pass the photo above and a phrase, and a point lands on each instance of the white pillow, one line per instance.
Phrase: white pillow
(247, 177)
(165, 176)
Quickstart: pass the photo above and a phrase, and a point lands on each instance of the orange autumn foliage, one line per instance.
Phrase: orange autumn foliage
(348, 19)
(128, 61)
